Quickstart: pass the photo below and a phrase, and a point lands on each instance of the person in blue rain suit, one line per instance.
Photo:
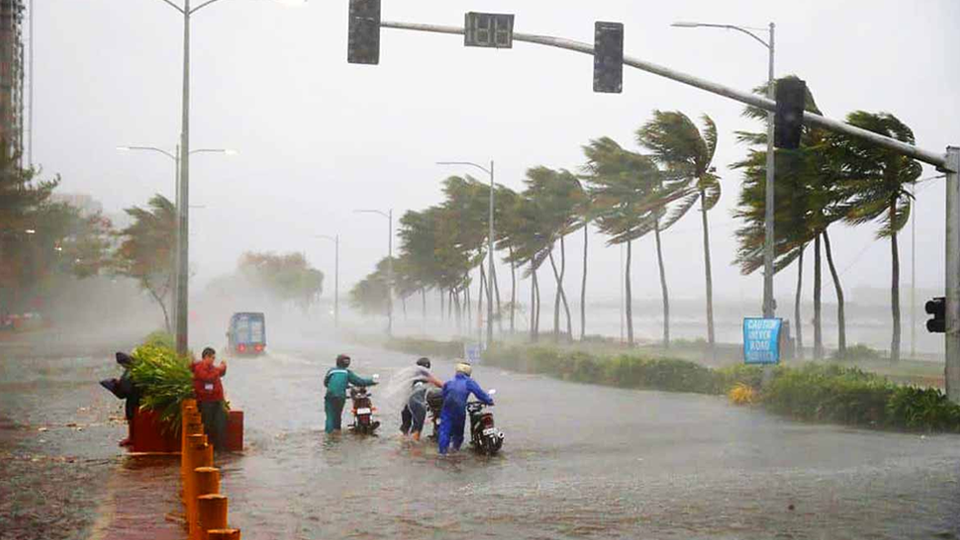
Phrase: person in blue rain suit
(453, 415)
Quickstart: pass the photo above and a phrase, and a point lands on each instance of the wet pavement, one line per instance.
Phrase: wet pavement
(579, 461)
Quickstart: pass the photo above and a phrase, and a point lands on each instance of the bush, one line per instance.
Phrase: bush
(858, 352)
(427, 347)
(814, 392)
(164, 379)
(161, 338)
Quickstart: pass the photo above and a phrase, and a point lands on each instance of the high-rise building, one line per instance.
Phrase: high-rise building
(11, 76)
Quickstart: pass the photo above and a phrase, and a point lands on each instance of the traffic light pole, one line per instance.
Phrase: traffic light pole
(952, 281)
(948, 162)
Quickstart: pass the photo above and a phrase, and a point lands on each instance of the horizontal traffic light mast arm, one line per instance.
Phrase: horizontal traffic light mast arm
(933, 158)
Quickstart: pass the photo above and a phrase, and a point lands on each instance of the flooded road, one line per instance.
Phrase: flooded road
(579, 461)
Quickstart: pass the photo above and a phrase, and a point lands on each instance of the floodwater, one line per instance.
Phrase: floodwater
(579, 461)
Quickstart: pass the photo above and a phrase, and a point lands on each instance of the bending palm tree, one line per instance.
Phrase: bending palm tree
(687, 153)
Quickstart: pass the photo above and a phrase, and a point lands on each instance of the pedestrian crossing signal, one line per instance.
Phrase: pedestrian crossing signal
(608, 57)
(363, 32)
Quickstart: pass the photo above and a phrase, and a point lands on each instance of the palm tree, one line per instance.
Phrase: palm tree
(630, 196)
(878, 186)
(808, 201)
(686, 153)
(557, 195)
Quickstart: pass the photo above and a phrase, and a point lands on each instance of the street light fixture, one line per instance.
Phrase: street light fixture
(389, 216)
(184, 180)
(336, 276)
(489, 244)
(175, 156)
(768, 248)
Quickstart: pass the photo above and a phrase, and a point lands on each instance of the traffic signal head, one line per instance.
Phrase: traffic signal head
(608, 57)
(363, 32)
(788, 124)
(938, 308)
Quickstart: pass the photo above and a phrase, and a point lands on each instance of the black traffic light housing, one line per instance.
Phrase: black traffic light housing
(788, 123)
(363, 32)
(937, 307)
(608, 57)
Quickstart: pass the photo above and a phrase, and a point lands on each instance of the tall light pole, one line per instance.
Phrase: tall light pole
(490, 269)
(336, 276)
(178, 204)
(184, 228)
(389, 216)
(768, 247)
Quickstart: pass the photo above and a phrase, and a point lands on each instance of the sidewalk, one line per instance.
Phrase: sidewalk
(141, 501)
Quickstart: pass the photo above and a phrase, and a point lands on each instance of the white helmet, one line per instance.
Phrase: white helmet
(464, 367)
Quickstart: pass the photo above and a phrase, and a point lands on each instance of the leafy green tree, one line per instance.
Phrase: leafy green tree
(146, 253)
(877, 185)
(686, 153)
(369, 295)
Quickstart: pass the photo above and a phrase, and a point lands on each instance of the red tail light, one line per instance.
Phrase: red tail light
(259, 348)
(241, 347)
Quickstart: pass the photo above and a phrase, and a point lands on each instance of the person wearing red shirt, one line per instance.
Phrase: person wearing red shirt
(209, 393)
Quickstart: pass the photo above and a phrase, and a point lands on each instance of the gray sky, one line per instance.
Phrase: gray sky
(318, 137)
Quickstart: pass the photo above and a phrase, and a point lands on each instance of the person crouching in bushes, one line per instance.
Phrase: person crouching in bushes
(209, 393)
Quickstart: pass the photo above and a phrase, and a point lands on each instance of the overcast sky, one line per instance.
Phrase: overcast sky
(319, 138)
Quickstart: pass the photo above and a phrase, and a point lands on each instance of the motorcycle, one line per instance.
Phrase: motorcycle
(485, 438)
(363, 410)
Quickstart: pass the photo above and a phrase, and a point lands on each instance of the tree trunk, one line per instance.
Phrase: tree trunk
(629, 297)
(483, 285)
(841, 317)
(423, 303)
(403, 302)
(563, 293)
(535, 305)
(583, 287)
(443, 314)
(513, 293)
(895, 286)
(663, 289)
(711, 339)
(556, 297)
(467, 307)
(817, 328)
(797, 319)
(455, 304)
(496, 292)
(163, 307)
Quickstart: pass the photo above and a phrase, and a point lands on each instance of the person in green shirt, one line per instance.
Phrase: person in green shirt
(337, 380)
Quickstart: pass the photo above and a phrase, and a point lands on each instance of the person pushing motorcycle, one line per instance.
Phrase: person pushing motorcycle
(336, 380)
(415, 411)
(453, 415)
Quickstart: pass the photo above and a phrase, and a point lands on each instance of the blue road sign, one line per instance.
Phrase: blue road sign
(761, 340)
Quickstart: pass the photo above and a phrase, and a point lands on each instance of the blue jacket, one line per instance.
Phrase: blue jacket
(457, 391)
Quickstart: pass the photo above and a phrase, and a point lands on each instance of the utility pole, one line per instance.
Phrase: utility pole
(768, 216)
(183, 255)
(952, 274)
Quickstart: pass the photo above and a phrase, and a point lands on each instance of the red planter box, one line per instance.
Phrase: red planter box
(148, 433)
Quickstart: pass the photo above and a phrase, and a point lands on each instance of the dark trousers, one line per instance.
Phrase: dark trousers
(214, 417)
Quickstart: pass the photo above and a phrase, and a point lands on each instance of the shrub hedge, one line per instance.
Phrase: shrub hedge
(812, 392)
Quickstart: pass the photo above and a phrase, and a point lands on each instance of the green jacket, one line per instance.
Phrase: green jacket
(337, 380)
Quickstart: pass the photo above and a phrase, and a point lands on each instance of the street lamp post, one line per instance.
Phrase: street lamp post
(389, 216)
(490, 269)
(768, 247)
(336, 276)
(184, 227)
(179, 206)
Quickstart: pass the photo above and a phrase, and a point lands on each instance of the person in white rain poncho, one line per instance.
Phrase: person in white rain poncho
(411, 385)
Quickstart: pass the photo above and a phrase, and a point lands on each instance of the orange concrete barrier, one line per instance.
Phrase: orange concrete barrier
(199, 454)
(206, 481)
(213, 513)
(223, 534)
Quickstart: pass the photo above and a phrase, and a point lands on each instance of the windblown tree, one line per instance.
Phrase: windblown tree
(808, 200)
(630, 198)
(686, 153)
(146, 252)
(288, 277)
(369, 295)
(557, 197)
(877, 184)
(527, 241)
